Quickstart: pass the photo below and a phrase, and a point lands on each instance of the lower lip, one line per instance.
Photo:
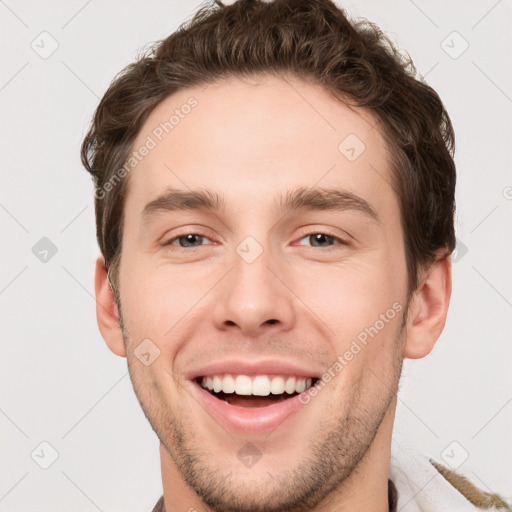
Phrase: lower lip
(248, 419)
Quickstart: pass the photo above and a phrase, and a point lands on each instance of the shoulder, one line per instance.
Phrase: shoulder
(471, 492)
(425, 485)
(159, 507)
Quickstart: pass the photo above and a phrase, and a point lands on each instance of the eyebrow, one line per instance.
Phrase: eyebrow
(325, 199)
(297, 199)
(176, 200)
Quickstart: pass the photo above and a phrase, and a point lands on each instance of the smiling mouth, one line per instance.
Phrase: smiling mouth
(254, 392)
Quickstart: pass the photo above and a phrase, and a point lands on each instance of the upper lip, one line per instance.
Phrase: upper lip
(251, 368)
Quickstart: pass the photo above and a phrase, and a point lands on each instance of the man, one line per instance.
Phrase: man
(274, 205)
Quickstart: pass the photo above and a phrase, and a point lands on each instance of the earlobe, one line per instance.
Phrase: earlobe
(106, 310)
(428, 309)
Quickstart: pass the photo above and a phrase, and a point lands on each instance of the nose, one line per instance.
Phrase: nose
(254, 299)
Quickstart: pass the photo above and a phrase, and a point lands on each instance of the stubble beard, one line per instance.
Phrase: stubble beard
(334, 454)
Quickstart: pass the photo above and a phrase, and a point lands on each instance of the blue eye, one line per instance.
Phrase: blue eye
(321, 240)
(188, 240)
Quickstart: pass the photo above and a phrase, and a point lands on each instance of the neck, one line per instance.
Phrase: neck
(365, 489)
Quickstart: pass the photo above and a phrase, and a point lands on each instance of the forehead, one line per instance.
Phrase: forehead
(248, 137)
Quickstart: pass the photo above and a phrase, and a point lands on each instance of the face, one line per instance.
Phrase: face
(263, 254)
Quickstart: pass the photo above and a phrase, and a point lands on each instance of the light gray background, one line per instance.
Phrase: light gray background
(59, 383)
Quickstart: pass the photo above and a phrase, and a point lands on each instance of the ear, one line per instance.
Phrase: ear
(106, 310)
(428, 309)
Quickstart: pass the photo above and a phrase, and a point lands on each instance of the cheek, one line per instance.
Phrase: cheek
(350, 298)
(158, 301)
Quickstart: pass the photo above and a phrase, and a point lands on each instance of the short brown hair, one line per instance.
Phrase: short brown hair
(312, 40)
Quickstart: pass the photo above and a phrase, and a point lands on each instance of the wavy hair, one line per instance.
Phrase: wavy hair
(313, 40)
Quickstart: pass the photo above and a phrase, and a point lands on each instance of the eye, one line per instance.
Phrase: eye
(321, 240)
(188, 240)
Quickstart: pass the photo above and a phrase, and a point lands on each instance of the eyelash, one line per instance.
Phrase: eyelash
(340, 241)
(170, 242)
(306, 235)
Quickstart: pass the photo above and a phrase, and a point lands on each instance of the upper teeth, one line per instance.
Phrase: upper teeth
(260, 385)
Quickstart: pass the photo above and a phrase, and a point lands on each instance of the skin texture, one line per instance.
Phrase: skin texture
(250, 140)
